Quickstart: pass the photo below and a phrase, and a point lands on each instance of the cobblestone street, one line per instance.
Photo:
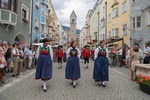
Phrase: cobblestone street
(118, 88)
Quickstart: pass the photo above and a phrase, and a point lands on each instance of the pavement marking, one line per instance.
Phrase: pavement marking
(20, 78)
(120, 73)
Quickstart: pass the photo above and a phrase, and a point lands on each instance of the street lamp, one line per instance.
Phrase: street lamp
(98, 13)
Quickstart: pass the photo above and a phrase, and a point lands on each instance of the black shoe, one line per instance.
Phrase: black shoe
(100, 83)
(71, 83)
(44, 90)
(14, 75)
(74, 86)
(103, 84)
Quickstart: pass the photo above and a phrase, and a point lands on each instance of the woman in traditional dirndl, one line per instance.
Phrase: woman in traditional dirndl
(44, 63)
(101, 72)
(73, 66)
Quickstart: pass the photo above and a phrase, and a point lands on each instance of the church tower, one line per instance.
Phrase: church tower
(73, 20)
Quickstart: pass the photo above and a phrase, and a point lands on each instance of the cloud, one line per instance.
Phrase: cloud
(65, 7)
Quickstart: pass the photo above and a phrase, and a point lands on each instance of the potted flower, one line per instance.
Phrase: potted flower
(144, 83)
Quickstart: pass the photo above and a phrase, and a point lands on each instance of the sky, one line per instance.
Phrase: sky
(64, 8)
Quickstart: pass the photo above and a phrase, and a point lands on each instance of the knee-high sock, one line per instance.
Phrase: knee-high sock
(74, 82)
(44, 84)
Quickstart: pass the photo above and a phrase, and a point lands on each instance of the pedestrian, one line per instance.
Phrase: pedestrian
(31, 55)
(127, 57)
(101, 72)
(73, 63)
(2, 65)
(8, 57)
(120, 56)
(147, 54)
(44, 63)
(59, 56)
(26, 56)
(86, 54)
(15, 58)
(21, 59)
(134, 59)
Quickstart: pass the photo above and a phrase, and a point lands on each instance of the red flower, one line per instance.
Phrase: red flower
(141, 80)
(140, 76)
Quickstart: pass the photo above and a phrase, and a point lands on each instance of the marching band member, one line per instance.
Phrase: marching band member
(86, 54)
(59, 56)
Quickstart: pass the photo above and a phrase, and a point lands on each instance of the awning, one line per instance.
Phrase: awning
(114, 39)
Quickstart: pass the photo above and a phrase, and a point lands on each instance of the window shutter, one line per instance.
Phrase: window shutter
(15, 5)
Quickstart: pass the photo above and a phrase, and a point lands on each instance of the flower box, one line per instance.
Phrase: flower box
(144, 83)
(95, 40)
(144, 88)
(25, 20)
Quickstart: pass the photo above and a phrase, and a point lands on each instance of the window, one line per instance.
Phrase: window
(102, 23)
(42, 28)
(36, 22)
(9, 4)
(109, 17)
(115, 32)
(124, 7)
(43, 10)
(148, 17)
(133, 23)
(102, 37)
(109, 34)
(96, 37)
(138, 21)
(115, 12)
(124, 29)
(43, 19)
(25, 11)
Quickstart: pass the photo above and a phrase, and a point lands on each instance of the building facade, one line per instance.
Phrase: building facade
(140, 22)
(118, 23)
(94, 23)
(15, 21)
(83, 35)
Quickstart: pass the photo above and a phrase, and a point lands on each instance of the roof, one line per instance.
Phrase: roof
(68, 29)
(73, 13)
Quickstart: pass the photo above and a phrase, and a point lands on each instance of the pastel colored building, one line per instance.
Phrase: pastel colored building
(15, 21)
(118, 23)
(140, 22)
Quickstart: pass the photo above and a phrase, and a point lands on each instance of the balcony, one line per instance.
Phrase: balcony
(8, 17)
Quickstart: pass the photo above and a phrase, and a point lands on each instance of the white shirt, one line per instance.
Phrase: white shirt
(97, 50)
(147, 50)
(120, 52)
(31, 54)
(128, 54)
(2, 65)
(15, 51)
(68, 52)
(50, 53)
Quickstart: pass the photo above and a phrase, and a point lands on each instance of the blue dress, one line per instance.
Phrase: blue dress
(101, 72)
(73, 66)
(44, 64)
